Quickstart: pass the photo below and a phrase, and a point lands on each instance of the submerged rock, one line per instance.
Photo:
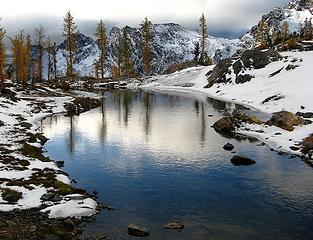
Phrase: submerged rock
(228, 147)
(174, 225)
(242, 161)
(285, 120)
(138, 231)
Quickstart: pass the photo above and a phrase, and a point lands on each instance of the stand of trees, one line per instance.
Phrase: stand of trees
(21, 57)
(283, 37)
(29, 52)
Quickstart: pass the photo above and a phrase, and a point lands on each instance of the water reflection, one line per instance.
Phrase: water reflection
(156, 158)
(103, 124)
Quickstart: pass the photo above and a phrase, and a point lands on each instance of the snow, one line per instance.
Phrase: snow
(72, 208)
(294, 18)
(30, 199)
(294, 85)
(11, 133)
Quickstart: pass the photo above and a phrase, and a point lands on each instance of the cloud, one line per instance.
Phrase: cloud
(225, 17)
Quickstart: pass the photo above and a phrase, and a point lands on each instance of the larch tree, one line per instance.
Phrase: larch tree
(285, 31)
(128, 65)
(261, 31)
(102, 41)
(203, 37)
(70, 31)
(21, 57)
(2, 54)
(39, 41)
(27, 60)
(308, 29)
(147, 51)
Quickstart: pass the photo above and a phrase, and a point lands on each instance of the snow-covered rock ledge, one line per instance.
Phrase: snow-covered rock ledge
(283, 84)
(28, 178)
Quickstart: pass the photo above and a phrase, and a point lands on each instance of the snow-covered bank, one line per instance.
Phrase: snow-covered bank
(287, 89)
(28, 179)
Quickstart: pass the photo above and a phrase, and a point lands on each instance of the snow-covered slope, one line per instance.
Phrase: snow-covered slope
(295, 13)
(172, 44)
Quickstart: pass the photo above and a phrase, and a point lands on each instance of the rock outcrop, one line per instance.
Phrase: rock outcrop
(238, 65)
(285, 120)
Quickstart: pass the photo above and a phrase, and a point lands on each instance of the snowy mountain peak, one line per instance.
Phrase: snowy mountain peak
(300, 5)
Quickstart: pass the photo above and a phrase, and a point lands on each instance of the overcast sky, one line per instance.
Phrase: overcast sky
(228, 18)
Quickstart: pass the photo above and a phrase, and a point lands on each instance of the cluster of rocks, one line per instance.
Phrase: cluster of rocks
(81, 104)
(140, 231)
(249, 59)
(285, 120)
(229, 124)
(32, 224)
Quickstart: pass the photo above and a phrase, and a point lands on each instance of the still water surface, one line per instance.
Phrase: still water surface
(156, 159)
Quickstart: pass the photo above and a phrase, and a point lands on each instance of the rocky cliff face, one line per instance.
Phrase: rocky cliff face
(171, 44)
(295, 13)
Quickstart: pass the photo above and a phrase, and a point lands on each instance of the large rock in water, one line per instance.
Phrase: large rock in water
(242, 161)
(225, 124)
(138, 231)
(285, 120)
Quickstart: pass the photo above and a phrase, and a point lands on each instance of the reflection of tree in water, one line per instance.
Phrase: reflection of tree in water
(147, 98)
(71, 135)
(197, 107)
(216, 104)
(103, 125)
(203, 126)
(127, 103)
(117, 96)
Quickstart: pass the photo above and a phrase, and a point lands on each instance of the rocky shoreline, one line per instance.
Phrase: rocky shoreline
(240, 122)
(33, 188)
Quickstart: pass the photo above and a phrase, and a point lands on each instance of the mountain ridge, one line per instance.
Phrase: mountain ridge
(172, 44)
